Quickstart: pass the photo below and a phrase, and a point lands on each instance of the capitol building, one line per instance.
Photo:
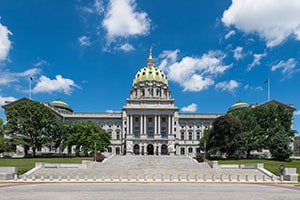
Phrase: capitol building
(149, 123)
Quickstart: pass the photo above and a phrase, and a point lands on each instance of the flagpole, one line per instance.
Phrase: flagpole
(269, 89)
(30, 79)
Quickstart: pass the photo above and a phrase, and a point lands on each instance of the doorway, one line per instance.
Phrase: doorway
(150, 149)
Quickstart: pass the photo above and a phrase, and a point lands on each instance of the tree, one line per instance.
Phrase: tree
(267, 127)
(225, 136)
(279, 145)
(254, 136)
(203, 141)
(4, 146)
(87, 136)
(30, 124)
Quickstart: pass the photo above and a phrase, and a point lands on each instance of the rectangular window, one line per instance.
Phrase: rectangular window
(182, 136)
(190, 150)
(150, 119)
(136, 132)
(118, 135)
(150, 132)
(198, 135)
(190, 136)
(182, 150)
(163, 132)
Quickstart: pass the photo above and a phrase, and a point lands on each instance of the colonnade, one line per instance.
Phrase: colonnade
(150, 122)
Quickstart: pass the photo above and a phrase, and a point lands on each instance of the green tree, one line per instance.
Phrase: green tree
(225, 136)
(254, 136)
(30, 124)
(267, 127)
(3, 142)
(203, 141)
(87, 136)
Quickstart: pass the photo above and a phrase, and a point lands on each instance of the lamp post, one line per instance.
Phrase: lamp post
(95, 151)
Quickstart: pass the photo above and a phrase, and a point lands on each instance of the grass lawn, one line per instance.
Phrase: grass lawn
(25, 164)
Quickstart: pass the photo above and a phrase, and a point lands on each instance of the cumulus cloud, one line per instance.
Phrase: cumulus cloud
(297, 112)
(288, 67)
(273, 20)
(256, 60)
(84, 41)
(193, 73)
(227, 86)
(190, 108)
(237, 53)
(123, 20)
(59, 84)
(3, 100)
(5, 43)
(126, 47)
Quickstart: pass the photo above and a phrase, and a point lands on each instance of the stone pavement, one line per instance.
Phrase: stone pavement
(147, 191)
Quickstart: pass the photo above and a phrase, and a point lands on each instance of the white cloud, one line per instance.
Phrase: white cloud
(229, 34)
(256, 60)
(5, 43)
(297, 112)
(227, 86)
(112, 111)
(3, 100)
(193, 73)
(237, 53)
(40, 63)
(190, 108)
(84, 41)
(122, 20)
(127, 47)
(273, 20)
(28, 73)
(59, 84)
(288, 67)
(248, 87)
(7, 77)
(95, 8)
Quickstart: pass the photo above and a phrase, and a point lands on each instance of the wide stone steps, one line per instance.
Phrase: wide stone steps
(145, 168)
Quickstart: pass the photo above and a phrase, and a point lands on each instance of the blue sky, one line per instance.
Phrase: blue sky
(213, 52)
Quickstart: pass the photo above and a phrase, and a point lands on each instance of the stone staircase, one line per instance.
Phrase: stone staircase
(143, 168)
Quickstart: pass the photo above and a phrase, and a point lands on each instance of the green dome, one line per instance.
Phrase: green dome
(150, 73)
(61, 106)
(238, 105)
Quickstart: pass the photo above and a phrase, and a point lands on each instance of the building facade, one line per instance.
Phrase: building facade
(149, 123)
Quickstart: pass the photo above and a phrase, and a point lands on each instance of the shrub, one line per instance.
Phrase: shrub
(99, 157)
(199, 158)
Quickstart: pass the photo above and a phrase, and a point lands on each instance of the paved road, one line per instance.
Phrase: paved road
(172, 191)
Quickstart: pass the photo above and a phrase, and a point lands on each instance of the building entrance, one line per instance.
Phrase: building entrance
(136, 149)
(164, 149)
(150, 149)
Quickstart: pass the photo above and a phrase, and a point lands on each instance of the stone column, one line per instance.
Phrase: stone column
(127, 125)
(131, 124)
(145, 124)
(141, 124)
(155, 125)
(169, 125)
(159, 126)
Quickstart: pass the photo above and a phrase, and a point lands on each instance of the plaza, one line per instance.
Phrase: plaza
(145, 191)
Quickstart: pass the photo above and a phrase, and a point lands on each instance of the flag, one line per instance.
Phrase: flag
(31, 78)
(266, 81)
